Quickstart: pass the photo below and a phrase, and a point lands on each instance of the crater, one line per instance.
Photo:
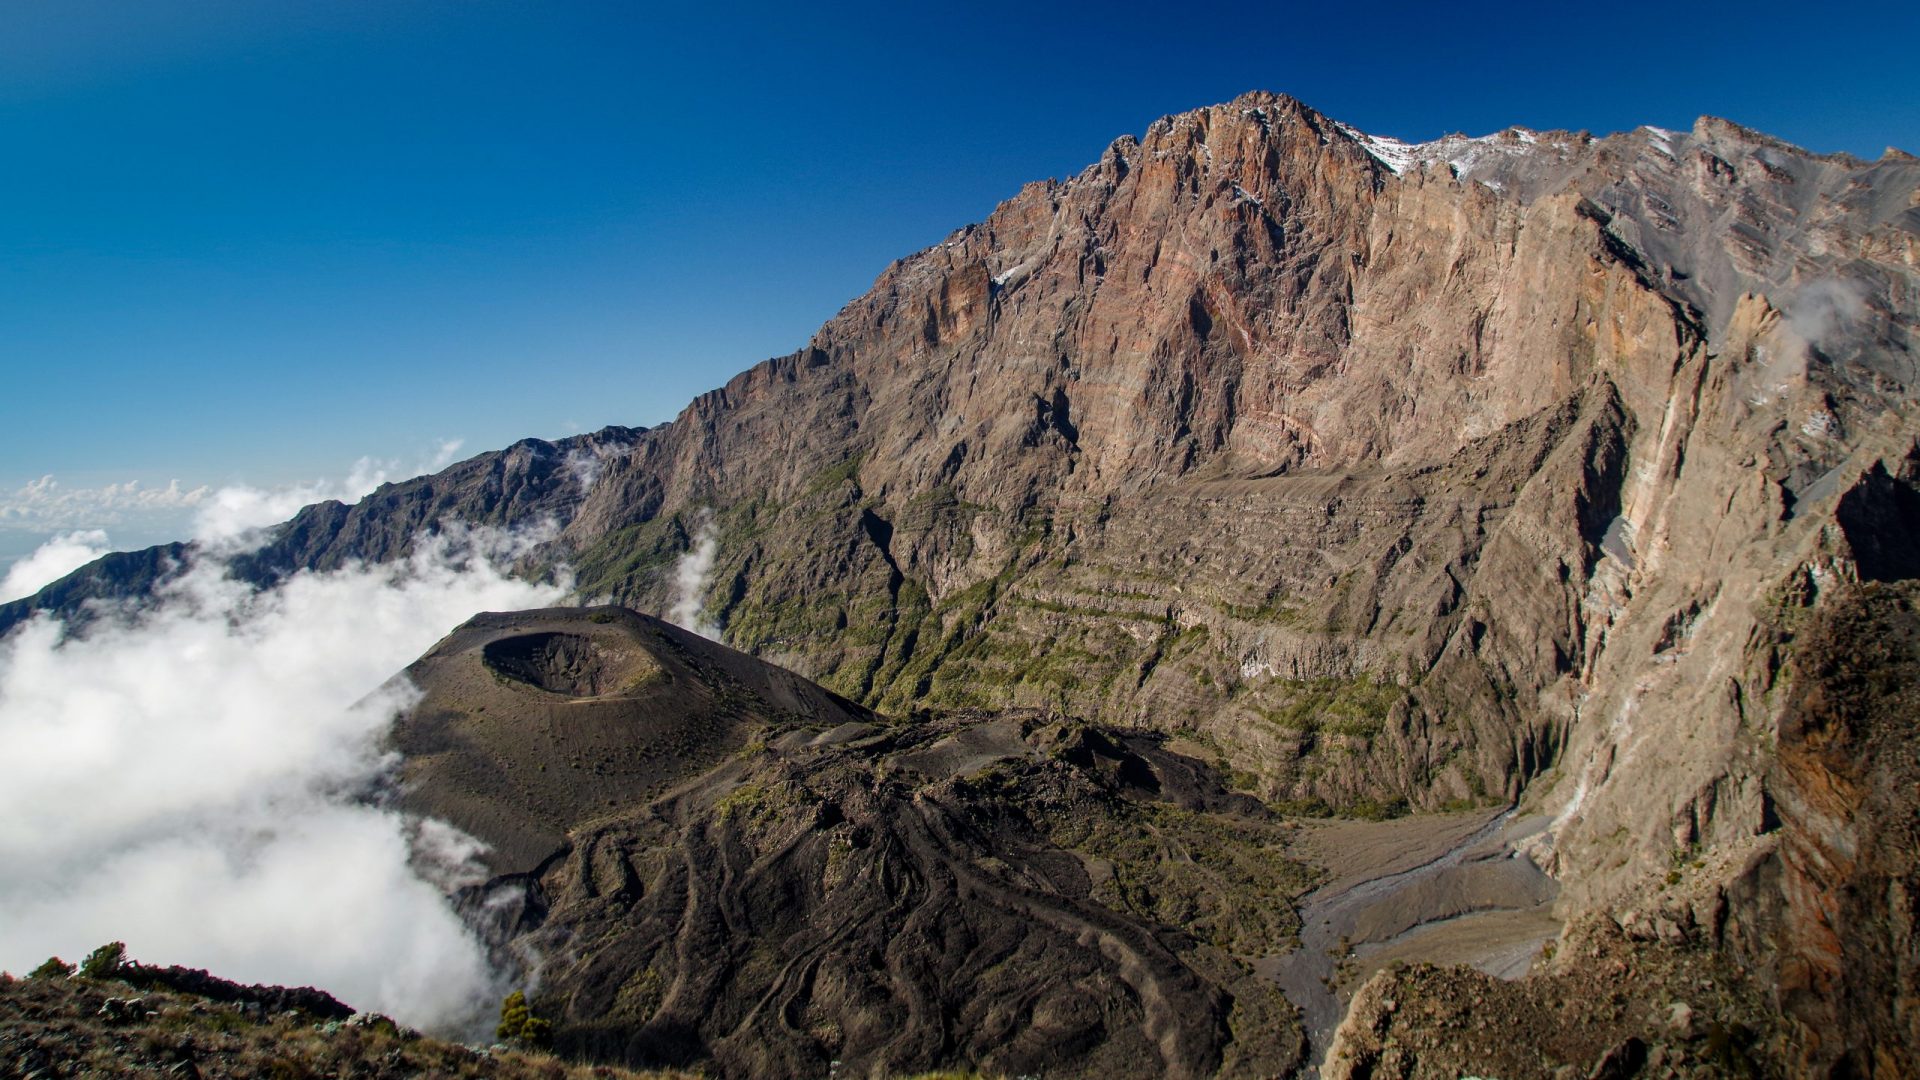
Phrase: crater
(557, 663)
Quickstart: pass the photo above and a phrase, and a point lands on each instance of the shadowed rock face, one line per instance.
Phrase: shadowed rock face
(712, 863)
(566, 664)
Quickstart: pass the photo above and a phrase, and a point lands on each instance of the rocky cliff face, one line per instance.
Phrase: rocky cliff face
(1400, 475)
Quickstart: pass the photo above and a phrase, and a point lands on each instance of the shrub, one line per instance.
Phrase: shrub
(104, 962)
(519, 1025)
(54, 968)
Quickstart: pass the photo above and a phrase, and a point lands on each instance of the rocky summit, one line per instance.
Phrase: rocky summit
(1265, 472)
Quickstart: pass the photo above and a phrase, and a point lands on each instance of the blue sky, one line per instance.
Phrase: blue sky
(252, 242)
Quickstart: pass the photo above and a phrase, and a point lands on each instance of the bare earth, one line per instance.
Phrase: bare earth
(1442, 889)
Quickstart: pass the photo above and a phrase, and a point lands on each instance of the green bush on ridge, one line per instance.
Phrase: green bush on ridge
(518, 1025)
(104, 962)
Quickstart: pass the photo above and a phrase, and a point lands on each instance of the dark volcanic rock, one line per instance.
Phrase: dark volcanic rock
(713, 863)
(534, 723)
(199, 983)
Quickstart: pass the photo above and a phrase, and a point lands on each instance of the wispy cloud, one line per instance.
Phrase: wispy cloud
(585, 464)
(184, 777)
(1823, 315)
(1824, 309)
(690, 577)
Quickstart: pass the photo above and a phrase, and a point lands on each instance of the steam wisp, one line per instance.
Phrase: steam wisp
(690, 578)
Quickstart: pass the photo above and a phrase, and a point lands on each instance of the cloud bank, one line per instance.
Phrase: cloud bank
(52, 561)
(223, 516)
(46, 504)
(232, 517)
(186, 778)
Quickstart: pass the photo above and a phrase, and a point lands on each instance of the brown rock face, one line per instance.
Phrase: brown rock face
(1829, 914)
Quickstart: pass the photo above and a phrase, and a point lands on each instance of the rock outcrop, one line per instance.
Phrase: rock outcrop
(152, 1021)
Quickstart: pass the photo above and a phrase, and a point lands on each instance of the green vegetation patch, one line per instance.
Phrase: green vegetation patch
(1273, 609)
(757, 809)
(833, 476)
(624, 560)
(1357, 706)
(1225, 880)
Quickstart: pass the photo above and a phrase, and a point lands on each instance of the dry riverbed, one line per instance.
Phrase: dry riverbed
(1444, 889)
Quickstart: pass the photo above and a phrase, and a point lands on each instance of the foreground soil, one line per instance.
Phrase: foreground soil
(75, 1027)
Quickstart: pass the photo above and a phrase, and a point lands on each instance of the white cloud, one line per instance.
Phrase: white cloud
(232, 517)
(690, 576)
(52, 561)
(185, 778)
(46, 504)
(228, 517)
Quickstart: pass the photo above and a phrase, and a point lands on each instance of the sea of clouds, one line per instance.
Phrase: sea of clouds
(191, 775)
